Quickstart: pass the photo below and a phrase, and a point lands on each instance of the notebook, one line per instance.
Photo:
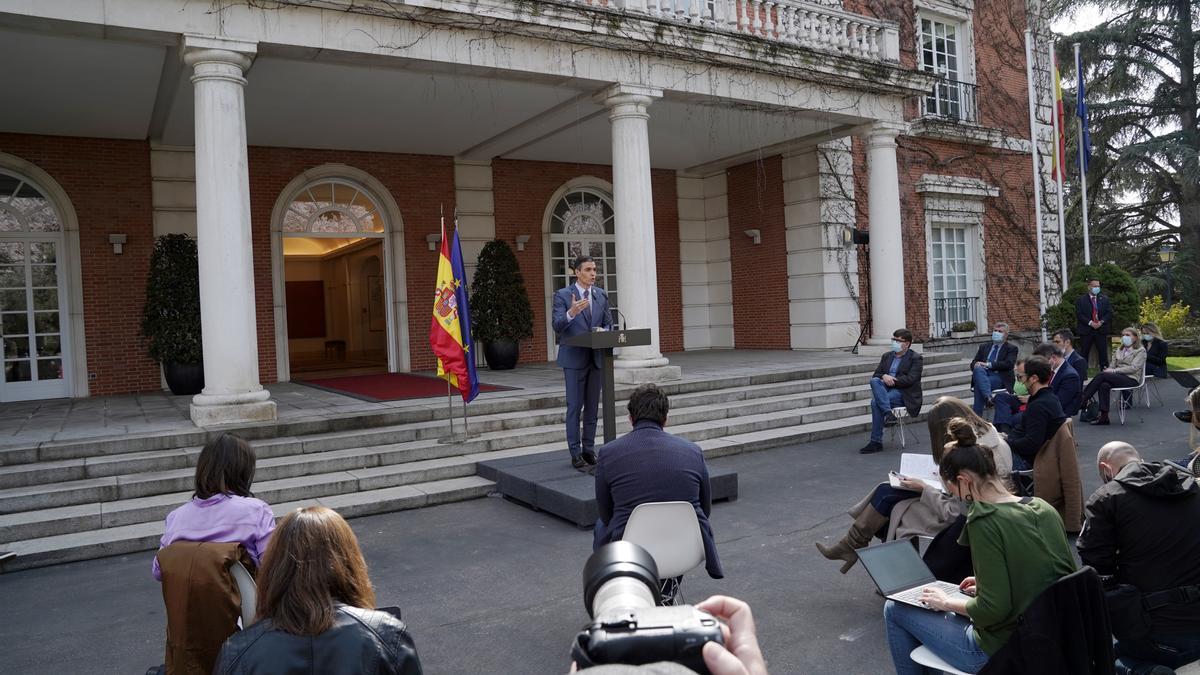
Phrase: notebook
(900, 574)
(920, 467)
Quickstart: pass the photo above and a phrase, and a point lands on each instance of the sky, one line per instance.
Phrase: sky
(1084, 18)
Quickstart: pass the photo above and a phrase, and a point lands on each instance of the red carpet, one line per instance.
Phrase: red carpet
(390, 386)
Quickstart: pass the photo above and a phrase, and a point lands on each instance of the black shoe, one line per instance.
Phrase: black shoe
(889, 420)
(1184, 416)
(579, 464)
(1102, 420)
(1003, 428)
(589, 457)
(871, 448)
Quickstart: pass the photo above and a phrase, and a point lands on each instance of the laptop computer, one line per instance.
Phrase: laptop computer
(900, 574)
(1184, 378)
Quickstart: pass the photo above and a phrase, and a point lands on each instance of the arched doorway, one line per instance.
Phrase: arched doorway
(35, 316)
(579, 221)
(334, 286)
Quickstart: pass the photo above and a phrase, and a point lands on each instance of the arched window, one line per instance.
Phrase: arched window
(32, 293)
(582, 224)
(333, 206)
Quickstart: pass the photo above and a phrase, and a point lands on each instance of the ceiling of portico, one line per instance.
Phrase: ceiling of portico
(82, 86)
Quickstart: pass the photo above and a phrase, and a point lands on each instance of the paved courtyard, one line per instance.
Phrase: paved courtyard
(488, 586)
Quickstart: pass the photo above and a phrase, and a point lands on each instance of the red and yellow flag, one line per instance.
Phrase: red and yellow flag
(1059, 170)
(450, 331)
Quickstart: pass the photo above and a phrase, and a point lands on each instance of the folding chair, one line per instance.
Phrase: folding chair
(670, 533)
(1123, 405)
(921, 655)
(901, 415)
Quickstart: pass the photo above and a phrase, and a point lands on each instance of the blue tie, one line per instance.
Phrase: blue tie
(992, 356)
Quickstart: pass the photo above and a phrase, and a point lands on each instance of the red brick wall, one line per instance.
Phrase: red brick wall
(760, 278)
(108, 183)
(523, 190)
(420, 184)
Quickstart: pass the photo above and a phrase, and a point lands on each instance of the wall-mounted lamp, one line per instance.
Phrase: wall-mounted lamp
(755, 236)
(522, 239)
(852, 236)
(433, 240)
(117, 241)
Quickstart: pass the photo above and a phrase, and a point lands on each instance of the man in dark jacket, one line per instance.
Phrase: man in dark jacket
(897, 380)
(1065, 340)
(650, 465)
(992, 367)
(1042, 417)
(1093, 322)
(1141, 530)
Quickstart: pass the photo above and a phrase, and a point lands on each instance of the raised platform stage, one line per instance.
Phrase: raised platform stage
(547, 482)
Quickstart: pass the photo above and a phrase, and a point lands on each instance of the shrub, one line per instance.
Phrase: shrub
(1170, 321)
(1115, 283)
(500, 310)
(171, 315)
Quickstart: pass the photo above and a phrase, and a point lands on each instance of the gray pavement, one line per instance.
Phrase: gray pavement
(488, 586)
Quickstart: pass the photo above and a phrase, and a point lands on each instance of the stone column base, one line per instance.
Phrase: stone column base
(232, 413)
(644, 375)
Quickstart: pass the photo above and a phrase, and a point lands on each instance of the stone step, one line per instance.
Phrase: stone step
(134, 508)
(142, 475)
(487, 404)
(51, 550)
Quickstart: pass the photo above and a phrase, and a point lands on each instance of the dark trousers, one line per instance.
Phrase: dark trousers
(1100, 340)
(1103, 384)
(1173, 651)
(583, 400)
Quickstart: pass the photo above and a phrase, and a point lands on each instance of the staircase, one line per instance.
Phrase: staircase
(67, 501)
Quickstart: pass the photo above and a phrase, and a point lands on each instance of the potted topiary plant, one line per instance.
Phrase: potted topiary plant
(963, 329)
(500, 311)
(171, 315)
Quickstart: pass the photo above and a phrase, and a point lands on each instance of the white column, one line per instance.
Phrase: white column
(633, 211)
(887, 245)
(232, 392)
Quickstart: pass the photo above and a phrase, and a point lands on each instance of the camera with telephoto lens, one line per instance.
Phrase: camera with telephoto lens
(620, 590)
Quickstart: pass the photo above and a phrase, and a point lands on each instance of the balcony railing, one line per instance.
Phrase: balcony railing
(949, 311)
(794, 22)
(953, 100)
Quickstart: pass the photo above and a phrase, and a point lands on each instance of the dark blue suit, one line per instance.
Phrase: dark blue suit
(1080, 365)
(1000, 376)
(649, 465)
(1089, 336)
(581, 366)
(1068, 388)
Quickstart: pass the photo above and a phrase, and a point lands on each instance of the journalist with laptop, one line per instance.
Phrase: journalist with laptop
(1018, 548)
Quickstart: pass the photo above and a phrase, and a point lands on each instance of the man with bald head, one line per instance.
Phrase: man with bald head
(1141, 531)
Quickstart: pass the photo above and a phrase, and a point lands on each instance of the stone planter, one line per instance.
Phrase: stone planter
(184, 379)
(501, 355)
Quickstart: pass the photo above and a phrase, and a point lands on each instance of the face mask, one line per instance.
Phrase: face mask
(1146, 339)
(896, 346)
(1126, 340)
(1096, 291)
(997, 336)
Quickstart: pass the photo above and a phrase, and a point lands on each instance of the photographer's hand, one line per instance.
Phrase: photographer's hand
(740, 655)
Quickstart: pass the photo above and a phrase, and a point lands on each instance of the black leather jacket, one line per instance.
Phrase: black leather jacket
(360, 641)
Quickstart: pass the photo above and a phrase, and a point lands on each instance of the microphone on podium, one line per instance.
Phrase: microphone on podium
(617, 314)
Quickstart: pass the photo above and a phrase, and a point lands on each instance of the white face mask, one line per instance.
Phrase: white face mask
(1126, 340)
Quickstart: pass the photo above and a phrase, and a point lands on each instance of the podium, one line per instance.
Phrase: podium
(606, 341)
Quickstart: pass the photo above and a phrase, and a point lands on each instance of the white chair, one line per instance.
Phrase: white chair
(670, 533)
(246, 589)
(1122, 406)
(924, 657)
(901, 415)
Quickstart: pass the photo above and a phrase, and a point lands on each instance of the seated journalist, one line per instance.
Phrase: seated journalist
(896, 382)
(1140, 530)
(992, 367)
(649, 465)
(1042, 417)
(1064, 384)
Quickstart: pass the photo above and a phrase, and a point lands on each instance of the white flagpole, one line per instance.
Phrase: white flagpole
(1087, 244)
(1062, 179)
(1037, 180)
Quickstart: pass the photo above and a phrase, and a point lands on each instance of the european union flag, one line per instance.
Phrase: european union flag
(1081, 112)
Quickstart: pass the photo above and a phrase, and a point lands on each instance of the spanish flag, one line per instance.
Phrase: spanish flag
(450, 332)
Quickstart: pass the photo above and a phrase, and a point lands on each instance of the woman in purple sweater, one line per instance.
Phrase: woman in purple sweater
(222, 507)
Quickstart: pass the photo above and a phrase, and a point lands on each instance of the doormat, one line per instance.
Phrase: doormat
(390, 386)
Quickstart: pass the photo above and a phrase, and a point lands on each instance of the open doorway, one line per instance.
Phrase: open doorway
(336, 307)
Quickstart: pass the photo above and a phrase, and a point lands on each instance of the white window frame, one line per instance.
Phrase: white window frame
(958, 201)
(960, 15)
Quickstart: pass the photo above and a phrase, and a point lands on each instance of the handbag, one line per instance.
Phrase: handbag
(1092, 412)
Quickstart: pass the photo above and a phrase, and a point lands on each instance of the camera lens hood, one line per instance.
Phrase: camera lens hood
(618, 559)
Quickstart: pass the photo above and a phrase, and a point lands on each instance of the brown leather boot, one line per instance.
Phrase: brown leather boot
(859, 536)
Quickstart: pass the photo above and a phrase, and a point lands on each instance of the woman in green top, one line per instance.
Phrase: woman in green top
(1018, 549)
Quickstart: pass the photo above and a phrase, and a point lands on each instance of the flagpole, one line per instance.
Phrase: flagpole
(1037, 180)
(1058, 169)
(450, 402)
(1087, 244)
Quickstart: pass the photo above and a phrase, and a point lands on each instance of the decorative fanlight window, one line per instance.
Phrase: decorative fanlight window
(23, 208)
(332, 206)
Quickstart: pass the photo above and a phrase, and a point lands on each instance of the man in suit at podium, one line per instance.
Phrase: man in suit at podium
(581, 308)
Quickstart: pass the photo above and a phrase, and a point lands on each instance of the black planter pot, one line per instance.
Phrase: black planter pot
(501, 355)
(184, 378)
